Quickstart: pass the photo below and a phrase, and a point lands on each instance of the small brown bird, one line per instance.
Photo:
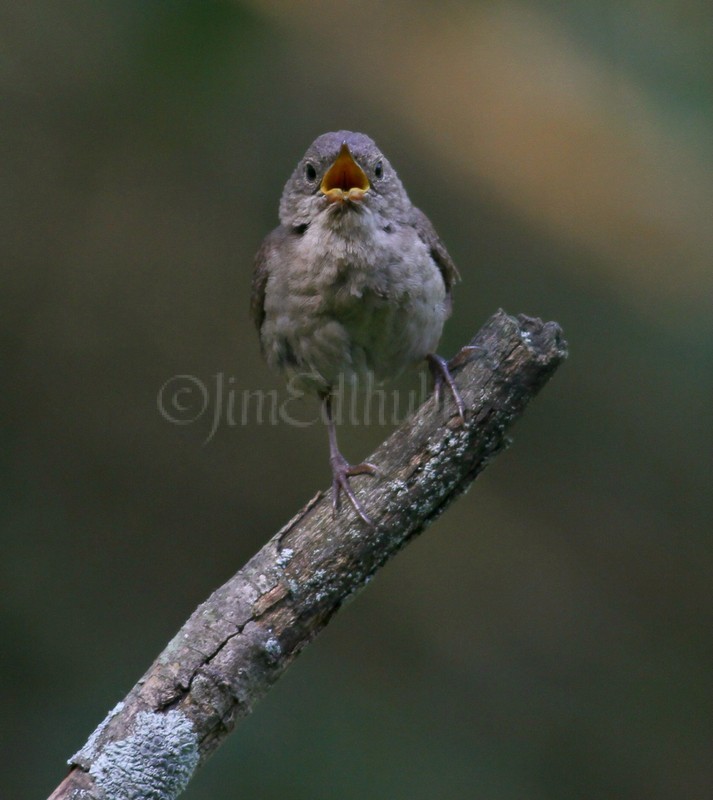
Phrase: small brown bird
(354, 281)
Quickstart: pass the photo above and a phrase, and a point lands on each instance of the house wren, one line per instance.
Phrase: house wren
(354, 281)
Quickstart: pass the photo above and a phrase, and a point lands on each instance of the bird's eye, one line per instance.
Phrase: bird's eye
(310, 172)
(378, 169)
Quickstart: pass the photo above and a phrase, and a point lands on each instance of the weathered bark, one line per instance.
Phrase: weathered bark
(239, 642)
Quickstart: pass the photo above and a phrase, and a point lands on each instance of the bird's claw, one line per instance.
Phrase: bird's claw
(442, 375)
(341, 472)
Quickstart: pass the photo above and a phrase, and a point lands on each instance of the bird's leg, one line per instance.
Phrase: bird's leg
(342, 470)
(442, 375)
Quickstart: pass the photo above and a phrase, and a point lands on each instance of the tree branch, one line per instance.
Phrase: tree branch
(239, 642)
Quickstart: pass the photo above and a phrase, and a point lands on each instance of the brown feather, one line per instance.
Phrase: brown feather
(440, 255)
(261, 272)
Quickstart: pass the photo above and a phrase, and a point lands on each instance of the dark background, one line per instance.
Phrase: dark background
(550, 636)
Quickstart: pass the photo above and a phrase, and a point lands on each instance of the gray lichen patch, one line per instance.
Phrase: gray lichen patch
(156, 760)
(284, 557)
(84, 757)
(273, 649)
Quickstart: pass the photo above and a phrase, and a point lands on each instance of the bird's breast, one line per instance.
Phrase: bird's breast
(358, 260)
(357, 299)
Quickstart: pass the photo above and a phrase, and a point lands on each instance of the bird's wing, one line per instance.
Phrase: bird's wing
(261, 273)
(440, 255)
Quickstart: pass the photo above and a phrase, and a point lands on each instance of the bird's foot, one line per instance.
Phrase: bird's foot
(341, 472)
(442, 376)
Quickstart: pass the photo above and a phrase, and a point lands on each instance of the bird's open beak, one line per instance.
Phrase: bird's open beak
(345, 179)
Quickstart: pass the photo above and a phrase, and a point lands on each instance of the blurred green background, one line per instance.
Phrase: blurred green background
(550, 636)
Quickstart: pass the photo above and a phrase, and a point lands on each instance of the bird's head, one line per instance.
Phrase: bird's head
(342, 173)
